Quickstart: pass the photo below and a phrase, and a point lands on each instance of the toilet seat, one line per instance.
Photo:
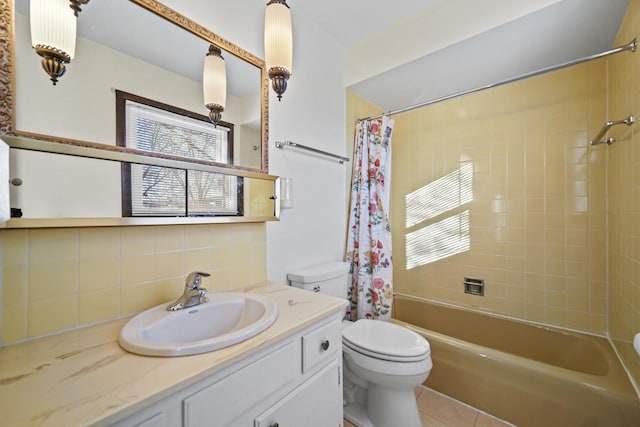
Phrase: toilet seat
(385, 341)
(382, 357)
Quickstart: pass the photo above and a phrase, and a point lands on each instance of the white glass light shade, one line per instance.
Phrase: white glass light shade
(53, 24)
(278, 44)
(214, 79)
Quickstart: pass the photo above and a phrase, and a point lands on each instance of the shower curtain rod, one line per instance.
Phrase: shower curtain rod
(632, 45)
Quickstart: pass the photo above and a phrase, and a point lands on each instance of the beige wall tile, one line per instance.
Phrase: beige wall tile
(14, 323)
(197, 260)
(257, 273)
(137, 269)
(170, 264)
(103, 273)
(14, 247)
(169, 239)
(221, 280)
(578, 320)
(240, 276)
(52, 315)
(197, 236)
(258, 254)
(52, 279)
(14, 285)
(137, 298)
(95, 274)
(98, 305)
(221, 257)
(99, 242)
(222, 236)
(138, 240)
(168, 290)
(52, 245)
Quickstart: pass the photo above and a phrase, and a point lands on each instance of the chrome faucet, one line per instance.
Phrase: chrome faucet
(193, 293)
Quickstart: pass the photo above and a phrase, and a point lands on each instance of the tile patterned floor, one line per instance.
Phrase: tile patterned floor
(438, 410)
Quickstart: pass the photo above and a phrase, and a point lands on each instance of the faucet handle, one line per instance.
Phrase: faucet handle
(194, 279)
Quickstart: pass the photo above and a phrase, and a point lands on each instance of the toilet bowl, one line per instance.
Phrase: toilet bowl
(383, 362)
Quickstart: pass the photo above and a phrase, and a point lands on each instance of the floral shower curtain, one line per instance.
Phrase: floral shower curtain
(369, 233)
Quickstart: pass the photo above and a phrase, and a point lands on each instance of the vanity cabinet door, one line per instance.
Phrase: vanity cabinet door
(315, 403)
(222, 402)
(165, 413)
(157, 420)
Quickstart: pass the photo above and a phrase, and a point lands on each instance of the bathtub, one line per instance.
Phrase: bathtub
(523, 373)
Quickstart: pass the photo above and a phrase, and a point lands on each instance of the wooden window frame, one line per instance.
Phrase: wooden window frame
(127, 180)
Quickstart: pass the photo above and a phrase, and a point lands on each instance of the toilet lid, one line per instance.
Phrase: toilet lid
(375, 337)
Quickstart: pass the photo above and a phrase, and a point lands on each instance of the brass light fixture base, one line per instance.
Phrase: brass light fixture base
(215, 51)
(284, 2)
(279, 77)
(76, 6)
(215, 113)
(53, 61)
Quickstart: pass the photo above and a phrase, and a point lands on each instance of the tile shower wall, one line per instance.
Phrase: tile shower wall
(624, 196)
(501, 185)
(58, 279)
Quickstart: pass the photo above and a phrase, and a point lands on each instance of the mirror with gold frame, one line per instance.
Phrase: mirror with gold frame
(79, 112)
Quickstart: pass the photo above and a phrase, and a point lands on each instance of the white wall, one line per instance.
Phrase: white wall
(437, 27)
(312, 112)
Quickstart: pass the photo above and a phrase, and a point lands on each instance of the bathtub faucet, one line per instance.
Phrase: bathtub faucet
(193, 293)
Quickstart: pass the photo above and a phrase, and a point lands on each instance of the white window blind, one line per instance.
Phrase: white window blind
(162, 191)
(154, 129)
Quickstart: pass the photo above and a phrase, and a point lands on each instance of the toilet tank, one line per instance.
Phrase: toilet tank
(329, 279)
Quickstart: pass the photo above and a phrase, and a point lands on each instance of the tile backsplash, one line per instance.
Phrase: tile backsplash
(59, 279)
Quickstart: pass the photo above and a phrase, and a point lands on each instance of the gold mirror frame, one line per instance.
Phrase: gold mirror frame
(7, 82)
(59, 145)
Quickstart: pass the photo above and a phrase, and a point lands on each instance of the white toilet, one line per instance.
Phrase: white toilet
(383, 362)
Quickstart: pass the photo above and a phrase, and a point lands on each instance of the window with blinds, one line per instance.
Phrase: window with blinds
(161, 191)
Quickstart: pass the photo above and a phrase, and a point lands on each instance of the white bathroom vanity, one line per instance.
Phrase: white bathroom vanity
(290, 374)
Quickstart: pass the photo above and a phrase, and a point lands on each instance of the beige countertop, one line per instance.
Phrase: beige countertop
(83, 377)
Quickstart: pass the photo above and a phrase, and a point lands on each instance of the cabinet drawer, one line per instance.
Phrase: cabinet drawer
(320, 344)
(222, 402)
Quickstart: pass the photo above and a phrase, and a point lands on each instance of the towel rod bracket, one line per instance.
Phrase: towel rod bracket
(607, 125)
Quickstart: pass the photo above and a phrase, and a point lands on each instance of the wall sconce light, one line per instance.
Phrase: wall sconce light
(53, 33)
(278, 50)
(214, 83)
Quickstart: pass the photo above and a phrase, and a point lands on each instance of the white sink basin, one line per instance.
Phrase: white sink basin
(226, 319)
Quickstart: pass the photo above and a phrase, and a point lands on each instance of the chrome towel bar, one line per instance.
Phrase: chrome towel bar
(340, 159)
(598, 139)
